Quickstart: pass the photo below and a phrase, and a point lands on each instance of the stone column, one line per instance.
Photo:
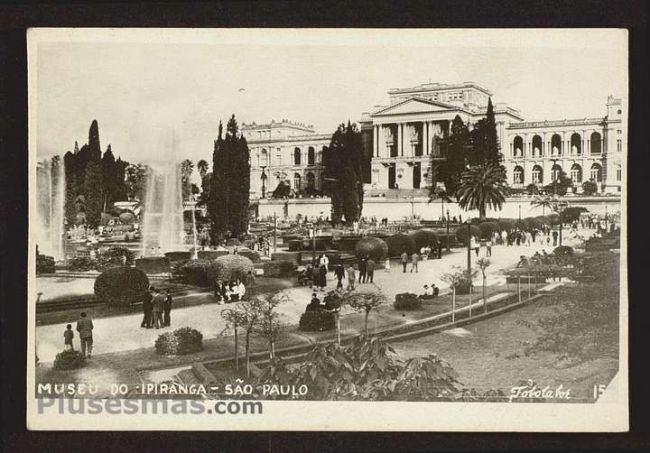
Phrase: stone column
(400, 133)
(425, 135)
(375, 141)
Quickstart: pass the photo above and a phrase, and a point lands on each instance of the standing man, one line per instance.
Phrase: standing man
(404, 259)
(370, 270)
(340, 273)
(147, 307)
(362, 270)
(167, 309)
(351, 277)
(157, 309)
(85, 329)
(415, 258)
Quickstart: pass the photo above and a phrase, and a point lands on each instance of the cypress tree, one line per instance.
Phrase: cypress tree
(93, 177)
(493, 154)
(219, 189)
(109, 178)
(70, 187)
(456, 159)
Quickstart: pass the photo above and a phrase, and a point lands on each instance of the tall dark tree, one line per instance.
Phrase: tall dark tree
(219, 189)
(456, 159)
(240, 184)
(343, 164)
(485, 145)
(71, 186)
(202, 167)
(187, 167)
(93, 177)
(109, 178)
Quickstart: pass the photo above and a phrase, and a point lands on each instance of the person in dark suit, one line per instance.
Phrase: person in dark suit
(147, 308)
(85, 328)
(370, 270)
(340, 273)
(362, 270)
(167, 309)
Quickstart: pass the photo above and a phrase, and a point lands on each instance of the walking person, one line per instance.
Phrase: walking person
(158, 303)
(322, 277)
(488, 247)
(68, 335)
(370, 270)
(85, 328)
(415, 258)
(167, 309)
(351, 277)
(362, 270)
(404, 259)
(339, 272)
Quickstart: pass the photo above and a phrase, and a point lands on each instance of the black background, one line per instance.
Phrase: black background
(15, 18)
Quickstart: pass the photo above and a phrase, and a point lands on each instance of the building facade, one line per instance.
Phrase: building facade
(408, 133)
(588, 149)
(284, 151)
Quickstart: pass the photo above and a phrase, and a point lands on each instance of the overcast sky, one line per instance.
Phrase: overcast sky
(188, 82)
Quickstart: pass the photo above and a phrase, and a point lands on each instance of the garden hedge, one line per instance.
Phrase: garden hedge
(371, 247)
(534, 223)
(81, 263)
(179, 342)
(121, 285)
(488, 229)
(113, 257)
(317, 321)
(399, 243)
(506, 224)
(197, 272)
(407, 301)
(424, 237)
(69, 360)
(211, 254)
(153, 265)
(522, 225)
(44, 264)
(279, 269)
(554, 218)
(461, 233)
(232, 266)
(250, 254)
(178, 256)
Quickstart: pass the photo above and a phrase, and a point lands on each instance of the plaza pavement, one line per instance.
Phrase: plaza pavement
(123, 333)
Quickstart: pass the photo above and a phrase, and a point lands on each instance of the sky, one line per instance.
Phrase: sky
(143, 84)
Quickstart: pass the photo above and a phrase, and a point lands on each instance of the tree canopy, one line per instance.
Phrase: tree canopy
(483, 186)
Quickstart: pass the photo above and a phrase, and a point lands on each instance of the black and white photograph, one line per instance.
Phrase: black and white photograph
(328, 229)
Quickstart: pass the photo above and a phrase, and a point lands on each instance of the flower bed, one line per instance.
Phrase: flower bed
(179, 342)
(69, 360)
(407, 301)
(316, 321)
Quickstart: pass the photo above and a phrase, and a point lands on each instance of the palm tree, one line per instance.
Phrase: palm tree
(482, 186)
(202, 166)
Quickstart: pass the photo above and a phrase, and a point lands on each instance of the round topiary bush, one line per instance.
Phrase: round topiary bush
(121, 285)
(250, 254)
(197, 272)
(181, 341)
(554, 218)
(506, 224)
(563, 251)
(316, 321)
(295, 245)
(522, 225)
(44, 264)
(461, 233)
(115, 256)
(407, 301)
(126, 218)
(399, 243)
(371, 247)
(81, 263)
(424, 238)
(229, 267)
(463, 286)
(488, 229)
(69, 360)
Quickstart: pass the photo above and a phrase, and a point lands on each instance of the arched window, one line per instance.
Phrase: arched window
(518, 146)
(537, 145)
(576, 174)
(596, 173)
(555, 172)
(264, 158)
(576, 144)
(311, 158)
(296, 156)
(296, 181)
(518, 175)
(311, 181)
(537, 175)
(556, 145)
(595, 142)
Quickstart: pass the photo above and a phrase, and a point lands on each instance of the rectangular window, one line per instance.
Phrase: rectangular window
(619, 174)
(619, 145)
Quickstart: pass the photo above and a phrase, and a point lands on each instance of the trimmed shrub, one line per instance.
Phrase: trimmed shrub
(153, 265)
(461, 233)
(371, 247)
(211, 254)
(105, 219)
(488, 229)
(232, 242)
(250, 254)
(231, 266)
(113, 257)
(121, 285)
(543, 220)
(197, 272)
(81, 263)
(279, 269)
(317, 321)
(522, 224)
(407, 301)
(179, 342)
(572, 213)
(399, 243)
(178, 256)
(534, 223)
(69, 360)
(424, 237)
(285, 256)
(563, 251)
(506, 224)
(44, 264)
(554, 218)
(463, 286)
(295, 245)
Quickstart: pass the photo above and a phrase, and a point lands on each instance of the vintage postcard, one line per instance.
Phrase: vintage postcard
(328, 229)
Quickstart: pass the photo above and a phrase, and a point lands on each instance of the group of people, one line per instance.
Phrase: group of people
(315, 304)
(232, 291)
(85, 329)
(157, 309)
(430, 291)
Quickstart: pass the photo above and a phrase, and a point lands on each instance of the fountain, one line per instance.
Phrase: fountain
(162, 227)
(50, 192)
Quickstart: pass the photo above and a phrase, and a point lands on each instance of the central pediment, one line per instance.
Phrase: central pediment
(415, 105)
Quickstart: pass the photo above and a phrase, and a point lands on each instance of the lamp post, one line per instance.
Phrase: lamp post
(469, 248)
(312, 233)
(519, 213)
(447, 230)
(263, 177)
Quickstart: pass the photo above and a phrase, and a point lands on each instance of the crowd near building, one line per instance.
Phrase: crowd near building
(406, 138)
